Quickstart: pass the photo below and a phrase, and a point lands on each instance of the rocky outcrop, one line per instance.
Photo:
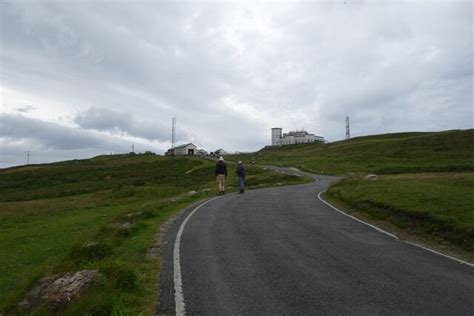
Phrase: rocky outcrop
(55, 292)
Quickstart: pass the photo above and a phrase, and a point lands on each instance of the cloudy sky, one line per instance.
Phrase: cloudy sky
(82, 78)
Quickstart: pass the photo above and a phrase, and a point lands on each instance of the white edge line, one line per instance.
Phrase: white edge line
(391, 235)
(355, 218)
(178, 283)
(439, 253)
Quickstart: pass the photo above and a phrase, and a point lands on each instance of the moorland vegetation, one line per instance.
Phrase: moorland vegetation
(100, 214)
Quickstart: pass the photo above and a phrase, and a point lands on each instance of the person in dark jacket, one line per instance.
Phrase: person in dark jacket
(221, 175)
(241, 174)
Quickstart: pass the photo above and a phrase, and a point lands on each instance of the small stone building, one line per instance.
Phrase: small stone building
(183, 150)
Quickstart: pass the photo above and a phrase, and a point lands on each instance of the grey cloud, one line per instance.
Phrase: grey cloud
(103, 120)
(154, 54)
(117, 122)
(46, 135)
(230, 71)
(26, 109)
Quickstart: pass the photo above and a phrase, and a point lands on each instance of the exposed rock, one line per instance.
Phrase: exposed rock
(90, 244)
(126, 225)
(158, 242)
(55, 292)
(134, 214)
(370, 177)
(191, 193)
(206, 190)
(189, 171)
(173, 199)
(279, 183)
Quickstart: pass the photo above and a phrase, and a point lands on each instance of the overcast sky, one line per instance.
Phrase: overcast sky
(82, 78)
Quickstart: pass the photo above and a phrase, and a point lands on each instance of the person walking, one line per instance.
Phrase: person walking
(221, 174)
(241, 174)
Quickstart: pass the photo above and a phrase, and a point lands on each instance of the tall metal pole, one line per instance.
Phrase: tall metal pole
(173, 132)
(348, 133)
(28, 157)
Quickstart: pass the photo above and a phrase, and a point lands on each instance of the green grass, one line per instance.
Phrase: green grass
(448, 151)
(440, 204)
(67, 217)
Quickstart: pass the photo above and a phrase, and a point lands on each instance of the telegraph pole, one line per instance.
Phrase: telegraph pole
(28, 157)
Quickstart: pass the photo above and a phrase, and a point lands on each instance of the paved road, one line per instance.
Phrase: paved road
(282, 251)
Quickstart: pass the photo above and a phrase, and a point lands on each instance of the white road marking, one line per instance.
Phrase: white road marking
(439, 253)
(178, 282)
(391, 235)
(355, 218)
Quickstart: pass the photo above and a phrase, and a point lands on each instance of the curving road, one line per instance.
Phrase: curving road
(282, 251)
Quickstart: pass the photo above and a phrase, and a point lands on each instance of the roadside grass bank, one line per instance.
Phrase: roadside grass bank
(436, 206)
(424, 188)
(447, 151)
(101, 213)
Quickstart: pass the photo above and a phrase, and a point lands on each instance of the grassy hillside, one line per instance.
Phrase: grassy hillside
(426, 187)
(100, 213)
(382, 154)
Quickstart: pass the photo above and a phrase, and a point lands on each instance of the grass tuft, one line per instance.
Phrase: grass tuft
(120, 276)
(90, 251)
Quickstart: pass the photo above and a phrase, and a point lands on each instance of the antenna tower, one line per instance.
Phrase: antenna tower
(173, 132)
(348, 133)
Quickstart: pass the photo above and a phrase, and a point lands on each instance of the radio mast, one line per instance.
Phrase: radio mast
(173, 132)
(348, 133)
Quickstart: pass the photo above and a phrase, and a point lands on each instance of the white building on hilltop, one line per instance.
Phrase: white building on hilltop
(183, 150)
(293, 137)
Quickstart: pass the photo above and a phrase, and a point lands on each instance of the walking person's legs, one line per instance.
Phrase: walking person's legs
(242, 184)
(221, 183)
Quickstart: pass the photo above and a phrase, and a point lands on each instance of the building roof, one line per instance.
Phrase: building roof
(181, 146)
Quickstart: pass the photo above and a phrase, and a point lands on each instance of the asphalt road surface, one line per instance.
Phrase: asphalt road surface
(281, 251)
